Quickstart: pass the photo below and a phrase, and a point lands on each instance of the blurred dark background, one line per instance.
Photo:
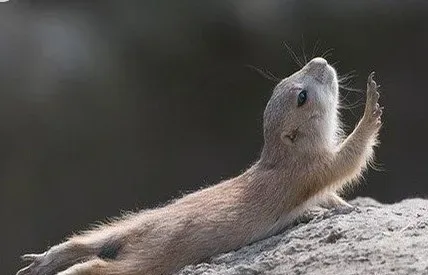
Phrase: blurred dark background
(121, 105)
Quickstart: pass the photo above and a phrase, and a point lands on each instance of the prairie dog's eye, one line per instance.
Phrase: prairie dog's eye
(302, 97)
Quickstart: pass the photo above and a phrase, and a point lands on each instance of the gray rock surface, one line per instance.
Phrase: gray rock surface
(373, 238)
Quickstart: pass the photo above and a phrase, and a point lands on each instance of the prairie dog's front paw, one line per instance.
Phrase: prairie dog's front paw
(373, 111)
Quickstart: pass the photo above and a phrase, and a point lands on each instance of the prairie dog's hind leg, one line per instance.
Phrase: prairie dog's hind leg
(56, 258)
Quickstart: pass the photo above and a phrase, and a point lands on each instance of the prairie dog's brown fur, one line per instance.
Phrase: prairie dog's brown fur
(304, 160)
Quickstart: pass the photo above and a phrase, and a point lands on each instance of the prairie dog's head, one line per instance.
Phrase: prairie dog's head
(302, 112)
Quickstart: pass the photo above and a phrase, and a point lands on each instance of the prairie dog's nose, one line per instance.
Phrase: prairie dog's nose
(319, 69)
(317, 62)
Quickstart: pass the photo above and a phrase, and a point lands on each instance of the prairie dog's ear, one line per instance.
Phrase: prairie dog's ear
(289, 137)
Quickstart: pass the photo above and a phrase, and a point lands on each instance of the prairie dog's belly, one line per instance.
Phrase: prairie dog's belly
(289, 217)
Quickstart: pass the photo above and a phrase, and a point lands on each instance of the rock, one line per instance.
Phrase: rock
(373, 238)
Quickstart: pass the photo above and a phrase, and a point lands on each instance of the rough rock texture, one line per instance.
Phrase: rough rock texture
(373, 238)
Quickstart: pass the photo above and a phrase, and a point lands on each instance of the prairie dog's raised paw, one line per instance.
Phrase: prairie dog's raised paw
(373, 111)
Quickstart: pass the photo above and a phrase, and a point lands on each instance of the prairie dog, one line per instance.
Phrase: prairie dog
(304, 160)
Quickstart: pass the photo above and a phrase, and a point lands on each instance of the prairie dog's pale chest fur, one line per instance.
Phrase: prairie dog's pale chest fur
(304, 161)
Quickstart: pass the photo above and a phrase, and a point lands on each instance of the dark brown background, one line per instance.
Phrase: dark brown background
(119, 105)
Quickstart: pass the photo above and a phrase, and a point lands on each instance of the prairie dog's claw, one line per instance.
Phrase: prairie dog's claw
(371, 75)
(373, 110)
(31, 257)
(24, 271)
